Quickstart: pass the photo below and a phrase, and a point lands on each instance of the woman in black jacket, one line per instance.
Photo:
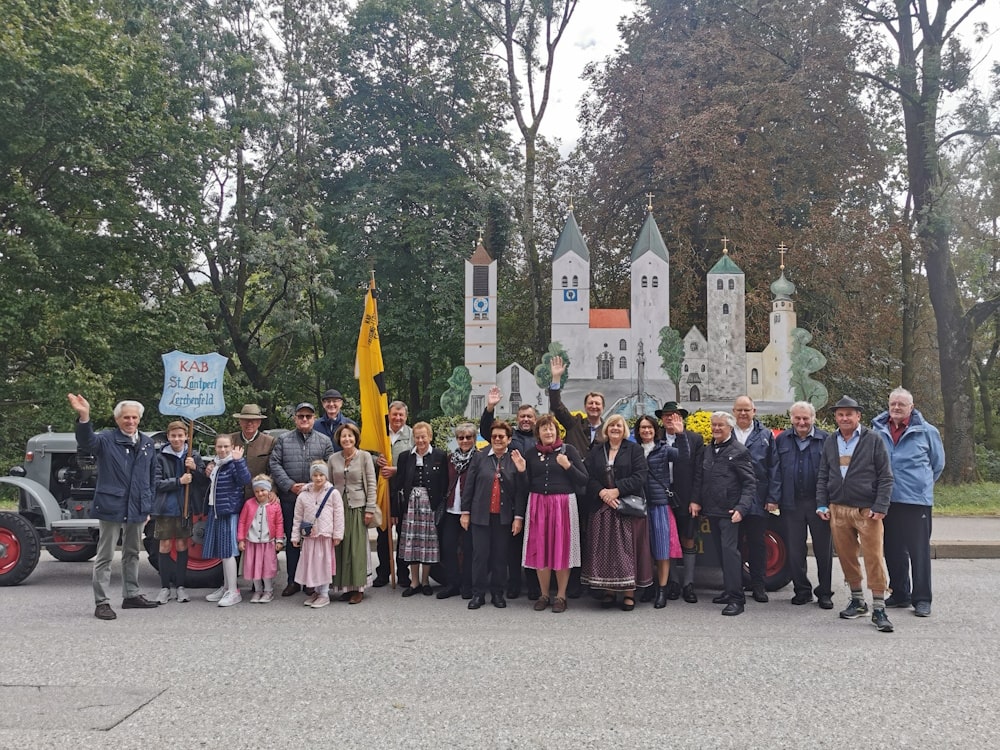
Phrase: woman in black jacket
(423, 482)
(618, 556)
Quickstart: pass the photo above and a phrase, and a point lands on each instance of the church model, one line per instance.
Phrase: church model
(616, 351)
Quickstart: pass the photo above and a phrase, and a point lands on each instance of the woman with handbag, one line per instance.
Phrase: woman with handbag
(663, 538)
(551, 525)
(352, 472)
(618, 556)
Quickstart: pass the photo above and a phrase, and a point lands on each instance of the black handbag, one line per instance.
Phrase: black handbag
(632, 505)
(306, 527)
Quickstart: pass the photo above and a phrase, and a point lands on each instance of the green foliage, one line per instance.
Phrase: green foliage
(543, 373)
(456, 398)
(671, 351)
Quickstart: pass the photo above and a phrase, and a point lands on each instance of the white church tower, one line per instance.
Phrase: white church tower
(480, 325)
(650, 310)
(571, 287)
(727, 351)
(778, 354)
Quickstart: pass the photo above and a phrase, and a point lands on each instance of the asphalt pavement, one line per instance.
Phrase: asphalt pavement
(423, 673)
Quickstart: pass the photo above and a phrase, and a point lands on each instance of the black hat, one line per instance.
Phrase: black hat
(306, 405)
(671, 407)
(332, 393)
(846, 402)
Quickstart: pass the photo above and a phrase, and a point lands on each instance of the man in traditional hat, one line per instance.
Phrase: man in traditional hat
(853, 489)
(257, 445)
(689, 445)
(332, 402)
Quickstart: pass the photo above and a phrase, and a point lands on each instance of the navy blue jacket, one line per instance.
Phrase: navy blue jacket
(169, 500)
(788, 462)
(658, 480)
(125, 473)
(760, 443)
(229, 486)
(329, 427)
(726, 481)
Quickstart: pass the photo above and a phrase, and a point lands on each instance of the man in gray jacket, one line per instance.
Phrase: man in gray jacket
(290, 458)
(853, 489)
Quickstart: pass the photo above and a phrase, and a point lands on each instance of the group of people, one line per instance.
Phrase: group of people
(603, 507)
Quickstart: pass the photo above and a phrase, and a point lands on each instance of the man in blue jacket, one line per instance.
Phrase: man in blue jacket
(123, 498)
(917, 458)
(797, 453)
(759, 440)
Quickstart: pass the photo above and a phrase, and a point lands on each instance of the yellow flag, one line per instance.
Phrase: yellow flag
(369, 369)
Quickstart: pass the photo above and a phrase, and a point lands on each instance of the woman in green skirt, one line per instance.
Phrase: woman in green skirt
(352, 472)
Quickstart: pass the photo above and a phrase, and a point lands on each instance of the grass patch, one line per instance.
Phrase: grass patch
(982, 499)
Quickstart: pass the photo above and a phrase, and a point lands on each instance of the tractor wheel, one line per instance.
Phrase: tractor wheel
(20, 548)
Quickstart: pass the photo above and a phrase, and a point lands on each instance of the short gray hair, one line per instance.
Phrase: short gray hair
(730, 419)
(807, 405)
(901, 391)
(399, 405)
(122, 405)
(466, 427)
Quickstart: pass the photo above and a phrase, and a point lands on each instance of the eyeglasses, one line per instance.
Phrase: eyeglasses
(305, 416)
(498, 437)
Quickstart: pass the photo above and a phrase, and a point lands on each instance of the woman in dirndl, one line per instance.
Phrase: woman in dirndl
(551, 525)
(618, 556)
(423, 481)
(352, 472)
(663, 539)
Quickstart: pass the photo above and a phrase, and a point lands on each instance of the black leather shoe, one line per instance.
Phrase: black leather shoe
(899, 602)
(477, 601)
(825, 601)
(688, 593)
(720, 599)
(648, 594)
(732, 609)
(411, 590)
(103, 611)
(447, 593)
(426, 589)
(291, 589)
(380, 582)
(138, 602)
(574, 592)
(498, 601)
(759, 594)
(673, 590)
(661, 598)
(802, 598)
(534, 593)
(466, 594)
(513, 593)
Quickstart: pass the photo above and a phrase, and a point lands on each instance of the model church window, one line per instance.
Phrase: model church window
(576, 282)
(725, 309)
(565, 282)
(645, 282)
(754, 377)
(623, 345)
(694, 346)
(622, 363)
(732, 284)
(718, 284)
(656, 282)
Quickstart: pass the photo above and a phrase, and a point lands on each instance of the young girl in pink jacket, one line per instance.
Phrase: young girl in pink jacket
(261, 536)
(317, 563)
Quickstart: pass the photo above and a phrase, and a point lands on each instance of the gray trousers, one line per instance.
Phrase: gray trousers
(131, 544)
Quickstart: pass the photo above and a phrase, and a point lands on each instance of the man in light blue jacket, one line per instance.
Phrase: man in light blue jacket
(916, 455)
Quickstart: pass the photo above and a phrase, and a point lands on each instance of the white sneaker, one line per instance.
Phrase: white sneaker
(182, 595)
(230, 598)
(255, 599)
(163, 597)
(173, 594)
(216, 595)
(266, 597)
(320, 601)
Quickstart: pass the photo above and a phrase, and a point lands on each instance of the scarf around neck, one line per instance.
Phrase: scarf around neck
(546, 449)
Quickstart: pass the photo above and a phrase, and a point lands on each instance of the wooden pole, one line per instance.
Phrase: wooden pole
(190, 451)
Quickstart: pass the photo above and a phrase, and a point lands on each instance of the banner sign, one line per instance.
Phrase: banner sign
(192, 385)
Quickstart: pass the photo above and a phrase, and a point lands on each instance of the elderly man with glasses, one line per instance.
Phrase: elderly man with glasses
(291, 456)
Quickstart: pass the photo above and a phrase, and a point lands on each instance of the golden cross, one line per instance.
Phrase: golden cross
(649, 202)
(782, 249)
(725, 250)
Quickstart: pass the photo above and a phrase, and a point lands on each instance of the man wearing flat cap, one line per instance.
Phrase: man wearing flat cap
(291, 457)
(257, 445)
(853, 489)
(333, 402)
(689, 445)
